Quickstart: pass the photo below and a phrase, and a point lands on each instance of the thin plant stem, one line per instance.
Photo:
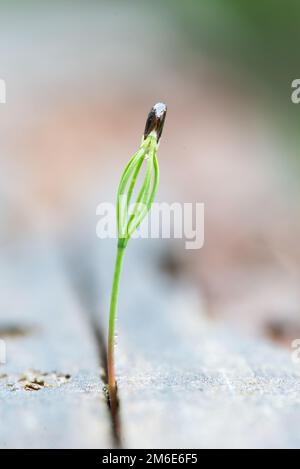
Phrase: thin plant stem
(112, 325)
(127, 223)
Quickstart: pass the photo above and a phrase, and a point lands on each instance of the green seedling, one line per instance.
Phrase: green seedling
(130, 216)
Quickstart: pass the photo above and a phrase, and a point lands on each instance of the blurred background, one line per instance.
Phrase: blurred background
(81, 78)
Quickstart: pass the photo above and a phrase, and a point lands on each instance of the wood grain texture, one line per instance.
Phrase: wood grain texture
(50, 388)
(184, 382)
(187, 383)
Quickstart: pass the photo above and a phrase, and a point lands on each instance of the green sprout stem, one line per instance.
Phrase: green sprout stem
(112, 320)
(129, 218)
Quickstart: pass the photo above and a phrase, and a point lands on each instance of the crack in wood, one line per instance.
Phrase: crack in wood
(83, 281)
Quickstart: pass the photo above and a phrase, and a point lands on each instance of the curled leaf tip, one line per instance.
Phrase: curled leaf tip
(155, 120)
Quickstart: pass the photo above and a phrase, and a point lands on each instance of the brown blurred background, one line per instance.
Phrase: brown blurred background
(81, 77)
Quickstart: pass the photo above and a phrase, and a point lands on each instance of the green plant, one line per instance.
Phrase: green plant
(130, 216)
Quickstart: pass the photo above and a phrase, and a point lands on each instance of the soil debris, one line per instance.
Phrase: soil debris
(34, 380)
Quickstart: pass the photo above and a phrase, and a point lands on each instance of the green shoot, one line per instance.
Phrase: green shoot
(130, 216)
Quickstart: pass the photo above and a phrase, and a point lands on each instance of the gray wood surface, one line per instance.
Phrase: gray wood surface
(50, 388)
(187, 383)
(184, 382)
